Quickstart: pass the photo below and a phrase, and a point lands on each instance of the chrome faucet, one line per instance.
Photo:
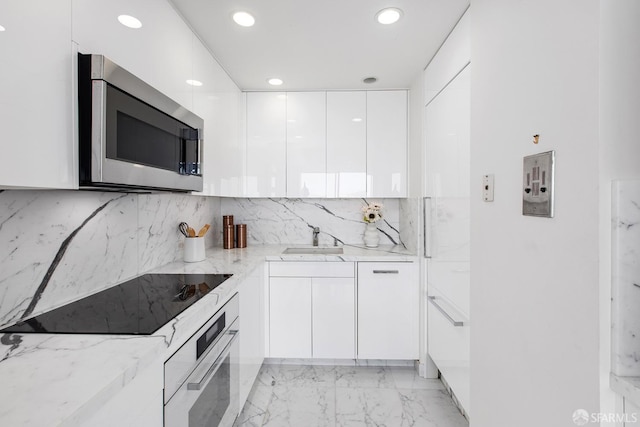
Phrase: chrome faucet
(316, 231)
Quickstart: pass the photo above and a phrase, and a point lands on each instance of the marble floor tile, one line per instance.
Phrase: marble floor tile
(252, 415)
(301, 406)
(307, 376)
(408, 378)
(347, 396)
(429, 408)
(368, 407)
(364, 377)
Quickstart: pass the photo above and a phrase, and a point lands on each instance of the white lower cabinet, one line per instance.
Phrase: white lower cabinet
(333, 318)
(290, 317)
(138, 404)
(388, 307)
(251, 345)
(449, 339)
(312, 310)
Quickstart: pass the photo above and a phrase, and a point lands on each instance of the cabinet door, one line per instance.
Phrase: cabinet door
(219, 102)
(36, 97)
(346, 144)
(290, 317)
(447, 175)
(449, 345)
(387, 143)
(160, 53)
(333, 311)
(266, 144)
(306, 144)
(387, 311)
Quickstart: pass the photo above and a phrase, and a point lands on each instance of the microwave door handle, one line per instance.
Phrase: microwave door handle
(190, 160)
(98, 128)
(216, 364)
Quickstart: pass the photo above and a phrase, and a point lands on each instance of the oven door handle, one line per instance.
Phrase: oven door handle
(216, 364)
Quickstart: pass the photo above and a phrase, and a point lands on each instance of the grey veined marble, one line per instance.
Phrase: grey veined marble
(291, 221)
(347, 396)
(59, 246)
(625, 265)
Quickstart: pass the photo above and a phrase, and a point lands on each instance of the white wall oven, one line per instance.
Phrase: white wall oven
(202, 377)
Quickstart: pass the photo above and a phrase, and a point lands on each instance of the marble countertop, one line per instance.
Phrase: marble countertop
(627, 387)
(69, 377)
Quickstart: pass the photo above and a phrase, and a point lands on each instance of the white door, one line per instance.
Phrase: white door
(306, 144)
(266, 144)
(333, 318)
(290, 317)
(347, 144)
(387, 143)
(448, 214)
(387, 311)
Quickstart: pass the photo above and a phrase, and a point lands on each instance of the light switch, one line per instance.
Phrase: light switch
(487, 188)
(537, 183)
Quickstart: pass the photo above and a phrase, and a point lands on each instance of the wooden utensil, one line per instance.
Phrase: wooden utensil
(191, 231)
(203, 230)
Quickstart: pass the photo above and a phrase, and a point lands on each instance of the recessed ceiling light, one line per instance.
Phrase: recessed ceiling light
(389, 15)
(275, 81)
(356, 120)
(370, 80)
(2, 28)
(130, 21)
(194, 82)
(244, 19)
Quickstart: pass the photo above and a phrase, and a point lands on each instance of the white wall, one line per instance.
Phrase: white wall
(534, 284)
(619, 147)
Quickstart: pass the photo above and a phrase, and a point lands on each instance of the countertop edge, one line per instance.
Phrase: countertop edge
(627, 387)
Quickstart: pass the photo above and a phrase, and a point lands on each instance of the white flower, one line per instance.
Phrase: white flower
(372, 212)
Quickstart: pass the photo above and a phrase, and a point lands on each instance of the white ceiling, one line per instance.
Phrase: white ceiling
(322, 44)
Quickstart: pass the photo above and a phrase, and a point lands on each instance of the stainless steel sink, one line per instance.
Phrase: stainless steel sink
(314, 251)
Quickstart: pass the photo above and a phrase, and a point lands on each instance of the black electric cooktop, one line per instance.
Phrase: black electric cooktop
(139, 306)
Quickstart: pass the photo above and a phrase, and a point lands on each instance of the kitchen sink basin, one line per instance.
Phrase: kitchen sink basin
(314, 251)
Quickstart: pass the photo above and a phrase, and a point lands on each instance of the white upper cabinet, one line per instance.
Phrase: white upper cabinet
(387, 143)
(266, 144)
(306, 144)
(338, 144)
(36, 93)
(346, 144)
(160, 52)
(219, 102)
(453, 56)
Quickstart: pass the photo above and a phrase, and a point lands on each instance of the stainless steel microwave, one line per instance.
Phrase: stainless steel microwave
(131, 136)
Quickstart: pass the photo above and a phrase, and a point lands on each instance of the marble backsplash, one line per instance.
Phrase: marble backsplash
(625, 286)
(291, 221)
(58, 246)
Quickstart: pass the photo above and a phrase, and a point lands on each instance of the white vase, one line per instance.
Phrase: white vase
(371, 236)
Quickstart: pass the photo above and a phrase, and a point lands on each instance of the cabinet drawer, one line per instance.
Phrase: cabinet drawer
(311, 269)
(449, 346)
(385, 270)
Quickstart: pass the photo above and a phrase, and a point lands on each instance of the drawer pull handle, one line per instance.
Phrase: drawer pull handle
(456, 323)
(385, 271)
